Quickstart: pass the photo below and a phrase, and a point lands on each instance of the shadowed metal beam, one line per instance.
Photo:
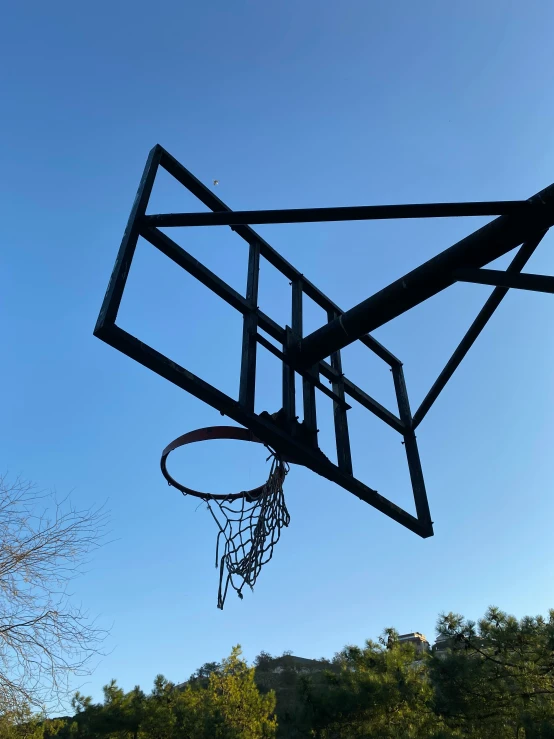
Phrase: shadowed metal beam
(114, 293)
(494, 300)
(476, 250)
(412, 453)
(499, 278)
(353, 213)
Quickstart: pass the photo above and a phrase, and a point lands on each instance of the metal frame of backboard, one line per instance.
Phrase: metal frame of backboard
(520, 223)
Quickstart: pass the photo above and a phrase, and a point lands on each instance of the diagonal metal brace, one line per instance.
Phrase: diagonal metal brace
(536, 283)
(486, 312)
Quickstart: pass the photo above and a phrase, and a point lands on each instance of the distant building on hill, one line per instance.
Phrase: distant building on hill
(301, 665)
(289, 662)
(445, 644)
(418, 640)
(442, 645)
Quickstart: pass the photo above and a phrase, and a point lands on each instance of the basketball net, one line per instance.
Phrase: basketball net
(249, 529)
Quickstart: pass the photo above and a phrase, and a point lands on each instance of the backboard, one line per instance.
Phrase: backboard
(520, 223)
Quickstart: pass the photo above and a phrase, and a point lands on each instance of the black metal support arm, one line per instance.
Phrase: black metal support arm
(480, 248)
(497, 296)
(498, 278)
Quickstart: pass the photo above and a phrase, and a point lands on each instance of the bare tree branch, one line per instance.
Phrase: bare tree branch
(45, 639)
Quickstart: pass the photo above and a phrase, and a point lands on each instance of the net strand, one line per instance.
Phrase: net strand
(249, 529)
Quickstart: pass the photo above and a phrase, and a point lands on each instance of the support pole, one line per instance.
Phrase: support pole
(476, 250)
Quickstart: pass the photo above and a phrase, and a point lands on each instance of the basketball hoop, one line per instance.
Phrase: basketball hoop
(249, 522)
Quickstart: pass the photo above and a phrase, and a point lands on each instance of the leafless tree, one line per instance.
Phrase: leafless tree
(45, 638)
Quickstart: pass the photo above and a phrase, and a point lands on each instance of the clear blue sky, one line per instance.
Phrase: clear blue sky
(288, 105)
